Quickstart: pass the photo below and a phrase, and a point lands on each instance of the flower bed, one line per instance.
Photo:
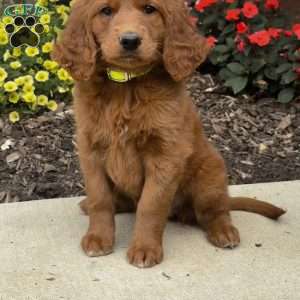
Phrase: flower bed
(253, 49)
(252, 46)
(29, 79)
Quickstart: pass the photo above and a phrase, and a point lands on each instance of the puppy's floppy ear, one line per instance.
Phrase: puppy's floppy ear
(184, 49)
(76, 48)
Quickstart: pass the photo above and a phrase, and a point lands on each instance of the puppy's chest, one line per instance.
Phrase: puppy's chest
(124, 166)
(120, 144)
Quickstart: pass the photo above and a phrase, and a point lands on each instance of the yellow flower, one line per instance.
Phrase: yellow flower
(52, 105)
(46, 28)
(28, 79)
(39, 60)
(17, 52)
(47, 47)
(45, 19)
(64, 18)
(14, 117)
(28, 88)
(42, 2)
(62, 9)
(50, 64)
(42, 76)
(10, 86)
(7, 20)
(13, 97)
(6, 55)
(62, 89)
(57, 30)
(3, 38)
(3, 74)
(15, 64)
(29, 97)
(42, 100)
(19, 80)
(32, 51)
(62, 74)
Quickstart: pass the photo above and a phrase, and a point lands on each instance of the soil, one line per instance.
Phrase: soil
(292, 7)
(259, 140)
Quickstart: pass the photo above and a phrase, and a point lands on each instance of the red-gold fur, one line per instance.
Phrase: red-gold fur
(141, 143)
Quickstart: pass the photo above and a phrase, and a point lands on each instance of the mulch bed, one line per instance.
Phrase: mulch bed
(259, 139)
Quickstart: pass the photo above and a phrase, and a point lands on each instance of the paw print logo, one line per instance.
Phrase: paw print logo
(24, 31)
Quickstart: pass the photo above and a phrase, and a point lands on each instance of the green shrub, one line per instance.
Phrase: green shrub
(29, 79)
(253, 47)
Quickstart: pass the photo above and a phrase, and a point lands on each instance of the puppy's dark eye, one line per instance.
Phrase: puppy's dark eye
(149, 9)
(107, 11)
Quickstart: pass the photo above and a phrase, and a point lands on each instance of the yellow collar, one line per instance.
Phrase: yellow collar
(122, 76)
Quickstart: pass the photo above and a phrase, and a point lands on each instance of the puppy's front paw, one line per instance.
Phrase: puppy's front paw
(93, 245)
(143, 256)
(224, 236)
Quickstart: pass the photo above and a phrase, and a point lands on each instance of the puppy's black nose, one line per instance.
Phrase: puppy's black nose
(130, 41)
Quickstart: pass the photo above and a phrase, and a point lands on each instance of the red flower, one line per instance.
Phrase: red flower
(274, 32)
(241, 46)
(272, 4)
(202, 4)
(230, 1)
(241, 27)
(233, 14)
(250, 10)
(261, 38)
(296, 30)
(298, 71)
(288, 33)
(211, 41)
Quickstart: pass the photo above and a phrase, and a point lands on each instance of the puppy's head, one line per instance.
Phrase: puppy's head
(129, 35)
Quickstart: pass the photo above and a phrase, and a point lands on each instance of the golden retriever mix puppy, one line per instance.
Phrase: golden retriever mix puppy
(141, 143)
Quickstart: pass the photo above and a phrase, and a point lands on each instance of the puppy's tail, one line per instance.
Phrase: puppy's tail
(256, 206)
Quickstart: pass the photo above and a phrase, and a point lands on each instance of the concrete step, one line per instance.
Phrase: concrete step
(41, 257)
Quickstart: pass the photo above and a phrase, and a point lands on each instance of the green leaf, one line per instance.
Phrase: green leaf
(221, 24)
(283, 68)
(230, 42)
(236, 68)
(222, 58)
(225, 74)
(221, 49)
(211, 18)
(229, 28)
(237, 84)
(257, 64)
(213, 57)
(286, 95)
(289, 77)
(272, 58)
(279, 22)
(270, 73)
